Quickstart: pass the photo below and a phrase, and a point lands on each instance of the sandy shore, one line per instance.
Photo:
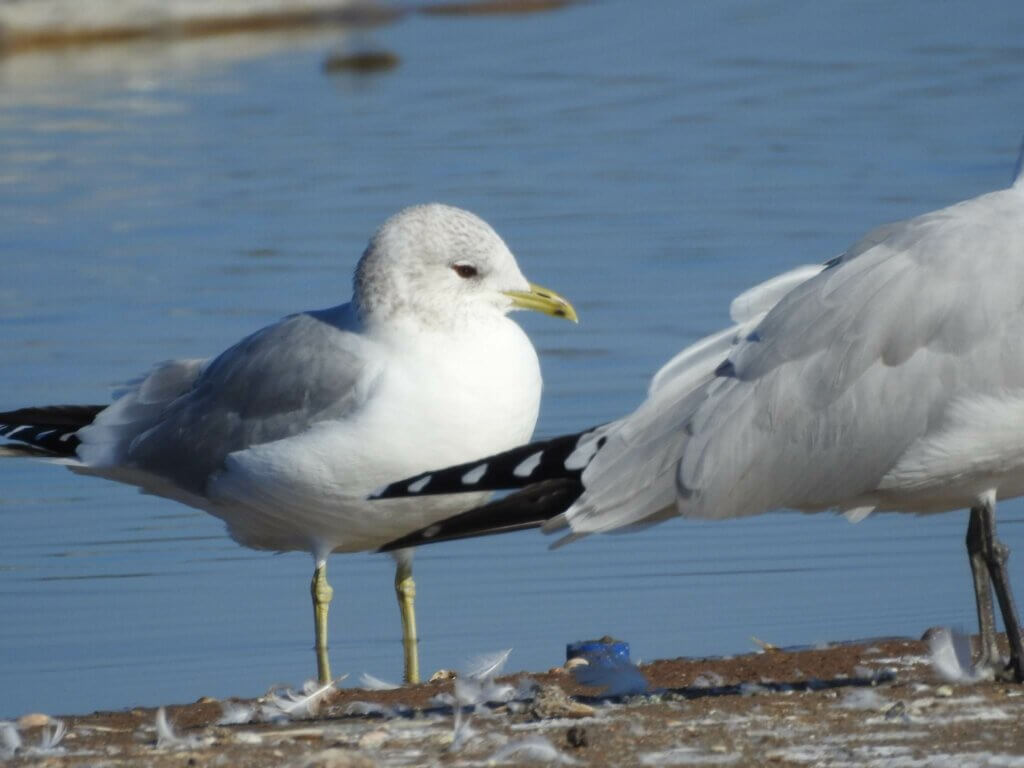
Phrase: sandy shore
(44, 24)
(875, 703)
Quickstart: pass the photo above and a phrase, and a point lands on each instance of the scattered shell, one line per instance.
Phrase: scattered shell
(34, 720)
(944, 691)
(442, 675)
(374, 739)
(764, 646)
(552, 701)
(576, 661)
(206, 700)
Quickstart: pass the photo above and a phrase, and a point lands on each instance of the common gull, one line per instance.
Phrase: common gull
(283, 434)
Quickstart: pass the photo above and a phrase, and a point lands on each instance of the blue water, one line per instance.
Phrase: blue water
(649, 160)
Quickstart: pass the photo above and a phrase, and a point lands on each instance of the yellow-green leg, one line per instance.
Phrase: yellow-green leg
(322, 594)
(405, 590)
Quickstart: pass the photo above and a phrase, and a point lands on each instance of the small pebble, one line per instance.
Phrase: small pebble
(897, 711)
(576, 736)
(944, 690)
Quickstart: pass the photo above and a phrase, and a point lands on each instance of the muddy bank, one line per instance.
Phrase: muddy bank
(872, 703)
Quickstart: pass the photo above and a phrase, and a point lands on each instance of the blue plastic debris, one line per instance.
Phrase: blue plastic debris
(596, 651)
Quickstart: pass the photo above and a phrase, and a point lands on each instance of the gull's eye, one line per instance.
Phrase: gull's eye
(464, 270)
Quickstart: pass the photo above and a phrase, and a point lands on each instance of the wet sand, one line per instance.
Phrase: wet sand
(872, 703)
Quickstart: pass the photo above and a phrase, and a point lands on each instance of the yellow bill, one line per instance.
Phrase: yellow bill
(543, 300)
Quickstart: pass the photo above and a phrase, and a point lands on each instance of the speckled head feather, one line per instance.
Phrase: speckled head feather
(409, 267)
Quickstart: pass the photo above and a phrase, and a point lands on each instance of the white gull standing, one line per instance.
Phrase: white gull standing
(890, 379)
(283, 434)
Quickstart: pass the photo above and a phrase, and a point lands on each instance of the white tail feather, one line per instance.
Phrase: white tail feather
(291, 705)
(51, 739)
(487, 665)
(371, 683)
(477, 687)
(951, 657)
(535, 748)
(236, 714)
(10, 740)
(166, 738)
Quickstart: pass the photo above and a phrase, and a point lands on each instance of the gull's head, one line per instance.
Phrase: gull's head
(443, 265)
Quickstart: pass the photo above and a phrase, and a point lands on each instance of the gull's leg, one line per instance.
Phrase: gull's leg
(989, 655)
(996, 553)
(322, 594)
(405, 590)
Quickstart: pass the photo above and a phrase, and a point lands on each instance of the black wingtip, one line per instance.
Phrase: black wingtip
(519, 467)
(529, 508)
(50, 428)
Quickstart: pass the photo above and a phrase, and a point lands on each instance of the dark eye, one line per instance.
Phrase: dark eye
(464, 270)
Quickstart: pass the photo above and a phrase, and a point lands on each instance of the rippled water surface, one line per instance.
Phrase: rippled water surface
(649, 160)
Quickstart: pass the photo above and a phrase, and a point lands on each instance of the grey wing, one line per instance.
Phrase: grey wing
(271, 385)
(848, 370)
(699, 359)
(630, 480)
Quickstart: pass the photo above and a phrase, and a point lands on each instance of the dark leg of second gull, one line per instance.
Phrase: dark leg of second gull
(989, 655)
(988, 556)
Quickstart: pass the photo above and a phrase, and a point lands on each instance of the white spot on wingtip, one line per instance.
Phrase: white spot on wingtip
(526, 467)
(473, 476)
(65, 437)
(431, 532)
(585, 451)
(420, 484)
